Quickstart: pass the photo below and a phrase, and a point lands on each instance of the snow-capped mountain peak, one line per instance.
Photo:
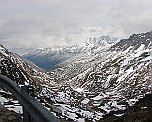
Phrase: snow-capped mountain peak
(51, 57)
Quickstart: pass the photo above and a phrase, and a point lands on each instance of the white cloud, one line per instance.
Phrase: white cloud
(139, 23)
(35, 23)
(134, 16)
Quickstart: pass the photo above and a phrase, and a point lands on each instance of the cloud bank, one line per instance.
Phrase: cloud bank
(41, 23)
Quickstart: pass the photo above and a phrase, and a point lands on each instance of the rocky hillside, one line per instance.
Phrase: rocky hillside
(141, 112)
(116, 78)
(85, 88)
(21, 70)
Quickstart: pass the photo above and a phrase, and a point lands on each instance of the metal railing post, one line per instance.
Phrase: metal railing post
(26, 115)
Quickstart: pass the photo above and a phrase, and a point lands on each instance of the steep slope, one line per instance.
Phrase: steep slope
(14, 67)
(115, 80)
(134, 40)
(22, 72)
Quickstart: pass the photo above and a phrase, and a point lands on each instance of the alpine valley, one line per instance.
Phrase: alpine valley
(101, 80)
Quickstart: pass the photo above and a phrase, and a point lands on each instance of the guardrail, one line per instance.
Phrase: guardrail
(31, 107)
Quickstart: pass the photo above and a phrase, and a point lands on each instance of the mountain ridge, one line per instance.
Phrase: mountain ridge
(51, 57)
(85, 89)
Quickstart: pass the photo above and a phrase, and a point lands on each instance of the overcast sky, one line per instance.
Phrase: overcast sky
(40, 23)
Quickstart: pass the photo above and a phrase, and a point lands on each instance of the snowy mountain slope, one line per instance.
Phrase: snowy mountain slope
(87, 87)
(48, 58)
(20, 51)
(134, 40)
(141, 111)
(114, 82)
(21, 70)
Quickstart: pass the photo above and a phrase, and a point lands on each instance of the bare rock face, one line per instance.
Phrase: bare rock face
(9, 116)
(140, 112)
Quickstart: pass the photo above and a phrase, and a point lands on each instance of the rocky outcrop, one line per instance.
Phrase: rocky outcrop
(140, 112)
